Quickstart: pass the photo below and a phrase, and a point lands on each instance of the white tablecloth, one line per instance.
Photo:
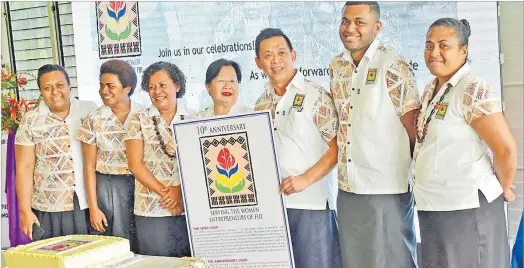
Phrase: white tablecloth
(154, 261)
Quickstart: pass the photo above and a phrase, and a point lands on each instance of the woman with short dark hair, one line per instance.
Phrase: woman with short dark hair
(459, 189)
(223, 79)
(161, 225)
(109, 183)
(49, 175)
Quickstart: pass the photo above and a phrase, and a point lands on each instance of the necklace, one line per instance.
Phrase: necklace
(157, 130)
(420, 139)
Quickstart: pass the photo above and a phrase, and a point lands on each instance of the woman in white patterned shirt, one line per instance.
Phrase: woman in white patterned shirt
(110, 185)
(223, 79)
(49, 175)
(161, 227)
(464, 161)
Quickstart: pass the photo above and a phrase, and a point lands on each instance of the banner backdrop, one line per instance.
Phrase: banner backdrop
(194, 34)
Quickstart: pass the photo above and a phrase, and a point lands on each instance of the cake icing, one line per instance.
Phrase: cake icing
(71, 251)
(86, 251)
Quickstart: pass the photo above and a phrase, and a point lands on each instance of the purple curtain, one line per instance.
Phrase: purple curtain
(16, 236)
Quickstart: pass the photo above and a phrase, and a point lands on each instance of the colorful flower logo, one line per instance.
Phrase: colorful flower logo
(228, 176)
(63, 245)
(118, 26)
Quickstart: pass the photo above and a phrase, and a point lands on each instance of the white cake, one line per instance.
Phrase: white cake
(88, 251)
(71, 251)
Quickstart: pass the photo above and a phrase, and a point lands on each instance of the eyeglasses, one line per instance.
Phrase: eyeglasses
(223, 82)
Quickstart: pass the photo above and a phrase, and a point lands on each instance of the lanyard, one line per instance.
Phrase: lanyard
(420, 139)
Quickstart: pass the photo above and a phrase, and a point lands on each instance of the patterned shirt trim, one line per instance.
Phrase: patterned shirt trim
(324, 112)
(268, 101)
(479, 100)
(401, 86)
(400, 82)
(325, 116)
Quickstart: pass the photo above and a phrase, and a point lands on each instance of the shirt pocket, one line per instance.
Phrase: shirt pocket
(293, 122)
(370, 98)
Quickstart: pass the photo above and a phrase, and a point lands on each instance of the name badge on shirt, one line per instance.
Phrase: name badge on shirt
(441, 112)
(371, 77)
(298, 102)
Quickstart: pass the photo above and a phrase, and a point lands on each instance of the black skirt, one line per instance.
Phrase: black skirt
(163, 236)
(115, 195)
(377, 231)
(473, 238)
(63, 223)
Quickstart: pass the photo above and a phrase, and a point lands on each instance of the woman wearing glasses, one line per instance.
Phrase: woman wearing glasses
(222, 83)
(160, 223)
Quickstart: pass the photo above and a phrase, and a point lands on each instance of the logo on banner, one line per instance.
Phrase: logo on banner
(229, 178)
(371, 77)
(118, 29)
(441, 112)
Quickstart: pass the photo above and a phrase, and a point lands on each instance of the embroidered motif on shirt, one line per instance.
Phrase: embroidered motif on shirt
(298, 102)
(441, 112)
(371, 77)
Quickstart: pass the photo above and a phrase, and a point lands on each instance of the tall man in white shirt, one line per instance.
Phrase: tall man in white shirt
(306, 123)
(376, 98)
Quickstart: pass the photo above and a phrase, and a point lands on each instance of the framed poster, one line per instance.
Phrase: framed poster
(118, 29)
(236, 216)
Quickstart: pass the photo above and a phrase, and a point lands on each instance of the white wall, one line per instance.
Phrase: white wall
(512, 46)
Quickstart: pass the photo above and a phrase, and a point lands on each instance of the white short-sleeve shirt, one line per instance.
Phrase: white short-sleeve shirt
(373, 145)
(451, 161)
(305, 121)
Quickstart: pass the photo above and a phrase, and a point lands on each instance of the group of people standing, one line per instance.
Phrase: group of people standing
(119, 160)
